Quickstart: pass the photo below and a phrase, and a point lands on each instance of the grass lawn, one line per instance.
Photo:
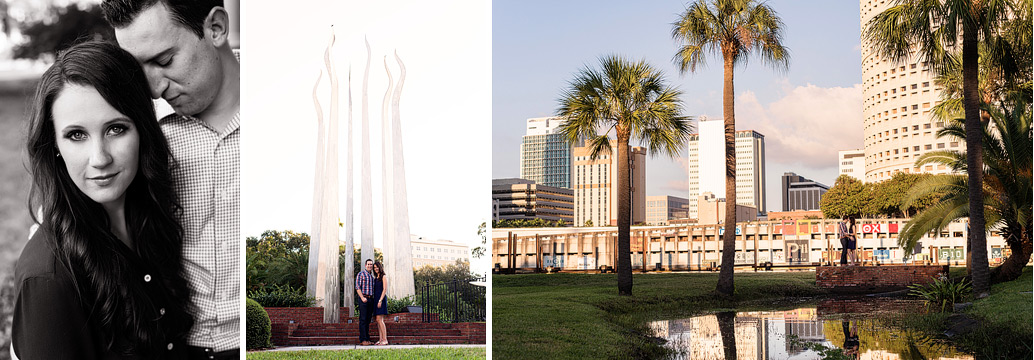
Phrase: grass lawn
(418, 353)
(1009, 304)
(548, 316)
(1005, 320)
(1005, 315)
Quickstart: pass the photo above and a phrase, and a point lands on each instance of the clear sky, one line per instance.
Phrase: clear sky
(445, 104)
(807, 113)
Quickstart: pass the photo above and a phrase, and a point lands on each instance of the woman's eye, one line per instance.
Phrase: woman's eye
(117, 129)
(76, 135)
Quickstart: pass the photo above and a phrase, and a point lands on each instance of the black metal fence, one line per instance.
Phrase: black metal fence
(453, 301)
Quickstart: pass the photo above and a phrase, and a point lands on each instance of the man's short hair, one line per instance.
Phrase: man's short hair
(189, 13)
(367, 260)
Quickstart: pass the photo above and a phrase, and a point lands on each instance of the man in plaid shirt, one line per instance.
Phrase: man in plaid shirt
(184, 50)
(364, 288)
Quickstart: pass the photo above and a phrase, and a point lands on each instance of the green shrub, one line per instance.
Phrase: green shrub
(396, 306)
(942, 293)
(282, 296)
(257, 326)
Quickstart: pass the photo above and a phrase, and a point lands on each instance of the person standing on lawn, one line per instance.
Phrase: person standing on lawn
(364, 288)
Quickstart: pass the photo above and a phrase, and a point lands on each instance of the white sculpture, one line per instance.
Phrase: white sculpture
(366, 237)
(323, 245)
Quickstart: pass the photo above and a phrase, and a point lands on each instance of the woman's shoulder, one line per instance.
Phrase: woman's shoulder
(38, 258)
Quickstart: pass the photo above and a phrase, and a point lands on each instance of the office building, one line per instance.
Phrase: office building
(800, 193)
(707, 165)
(437, 252)
(545, 155)
(897, 100)
(595, 186)
(711, 210)
(660, 210)
(520, 199)
(852, 163)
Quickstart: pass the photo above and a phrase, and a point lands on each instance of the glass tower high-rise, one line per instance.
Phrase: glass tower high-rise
(545, 156)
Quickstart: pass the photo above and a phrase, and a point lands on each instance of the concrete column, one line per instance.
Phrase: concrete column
(366, 208)
(402, 284)
(387, 188)
(329, 220)
(322, 281)
(317, 196)
(349, 267)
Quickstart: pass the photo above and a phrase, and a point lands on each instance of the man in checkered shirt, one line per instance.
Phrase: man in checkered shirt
(364, 288)
(184, 50)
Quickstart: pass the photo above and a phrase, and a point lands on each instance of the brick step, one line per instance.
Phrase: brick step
(352, 340)
(355, 332)
(389, 325)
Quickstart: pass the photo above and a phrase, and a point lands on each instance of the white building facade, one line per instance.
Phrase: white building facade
(852, 163)
(706, 158)
(897, 102)
(437, 252)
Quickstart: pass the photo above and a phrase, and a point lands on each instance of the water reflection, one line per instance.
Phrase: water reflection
(789, 335)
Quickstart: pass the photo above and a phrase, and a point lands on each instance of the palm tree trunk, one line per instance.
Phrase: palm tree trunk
(727, 328)
(1020, 244)
(725, 276)
(624, 190)
(974, 163)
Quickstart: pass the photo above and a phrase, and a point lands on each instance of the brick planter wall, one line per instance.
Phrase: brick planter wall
(475, 332)
(875, 279)
(285, 320)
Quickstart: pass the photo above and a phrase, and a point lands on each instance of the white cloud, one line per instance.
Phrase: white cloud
(807, 126)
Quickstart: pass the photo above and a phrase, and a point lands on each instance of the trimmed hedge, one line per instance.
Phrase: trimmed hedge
(282, 296)
(257, 326)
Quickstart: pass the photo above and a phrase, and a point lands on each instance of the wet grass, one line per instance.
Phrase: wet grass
(581, 315)
(1005, 318)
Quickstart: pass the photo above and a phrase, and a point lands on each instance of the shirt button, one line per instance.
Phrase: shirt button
(147, 278)
(169, 346)
(161, 311)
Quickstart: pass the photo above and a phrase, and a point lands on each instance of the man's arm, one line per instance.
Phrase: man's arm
(359, 282)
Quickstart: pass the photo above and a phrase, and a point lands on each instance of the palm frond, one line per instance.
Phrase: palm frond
(729, 28)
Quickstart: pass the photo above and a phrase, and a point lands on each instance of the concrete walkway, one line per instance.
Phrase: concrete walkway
(373, 347)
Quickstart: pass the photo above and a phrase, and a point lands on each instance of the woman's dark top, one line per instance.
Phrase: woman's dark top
(51, 320)
(378, 289)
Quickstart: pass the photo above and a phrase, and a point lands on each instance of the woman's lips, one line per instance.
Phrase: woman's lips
(103, 180)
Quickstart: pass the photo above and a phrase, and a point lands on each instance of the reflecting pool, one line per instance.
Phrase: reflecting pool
(833, 329)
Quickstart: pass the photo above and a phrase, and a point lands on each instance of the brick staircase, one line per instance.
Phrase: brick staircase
(305, 327)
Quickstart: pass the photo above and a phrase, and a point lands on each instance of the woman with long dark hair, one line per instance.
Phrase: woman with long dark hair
(101, 277)
(382, 302)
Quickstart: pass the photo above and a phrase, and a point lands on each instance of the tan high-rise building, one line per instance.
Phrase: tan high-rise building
(897, 102)
(595, 183)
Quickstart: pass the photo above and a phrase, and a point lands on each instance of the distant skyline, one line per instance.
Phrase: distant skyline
(806, 114)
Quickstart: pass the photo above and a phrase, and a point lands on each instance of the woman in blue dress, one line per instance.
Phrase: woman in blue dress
(382, 302)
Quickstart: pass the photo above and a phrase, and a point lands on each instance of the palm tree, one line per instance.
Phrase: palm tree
(932, 28)
(734, 29)
(632, 100)
(1007, 189)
